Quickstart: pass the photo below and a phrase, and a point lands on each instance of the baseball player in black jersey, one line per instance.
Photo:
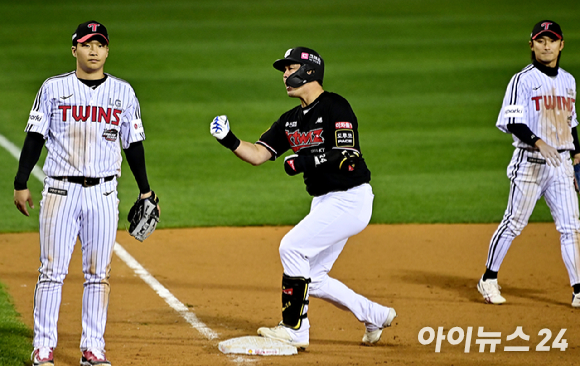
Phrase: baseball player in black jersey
(322, 133)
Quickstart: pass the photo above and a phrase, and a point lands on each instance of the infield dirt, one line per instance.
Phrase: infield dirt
(230, 278)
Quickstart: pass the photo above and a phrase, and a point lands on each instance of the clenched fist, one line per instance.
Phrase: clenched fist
(220, 129)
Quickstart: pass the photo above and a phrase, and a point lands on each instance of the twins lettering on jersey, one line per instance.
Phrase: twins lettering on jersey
(554, 102)
(94, 114)
(546, 102)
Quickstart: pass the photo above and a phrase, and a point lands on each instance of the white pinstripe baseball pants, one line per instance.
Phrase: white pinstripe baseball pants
(529, 182)
(310, 249)
(91, 214)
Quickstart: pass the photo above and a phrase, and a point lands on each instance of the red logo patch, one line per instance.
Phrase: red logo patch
(288, 291)
(346, 125)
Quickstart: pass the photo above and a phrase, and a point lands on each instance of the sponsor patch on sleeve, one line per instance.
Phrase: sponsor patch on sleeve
(345, 125)
(35, 118)
(137, 126)
(513, 111)
(344, 138)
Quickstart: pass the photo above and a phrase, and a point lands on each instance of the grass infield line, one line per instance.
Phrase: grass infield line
(163, 292)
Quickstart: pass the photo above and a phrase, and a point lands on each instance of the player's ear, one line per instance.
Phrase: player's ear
(532, 45)
(561, 45)
(74, 51)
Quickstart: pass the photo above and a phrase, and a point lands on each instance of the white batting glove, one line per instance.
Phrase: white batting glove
(219, 127)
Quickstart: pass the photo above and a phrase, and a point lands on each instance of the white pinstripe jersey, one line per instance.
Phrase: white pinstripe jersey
(545, 104)
(82, 126)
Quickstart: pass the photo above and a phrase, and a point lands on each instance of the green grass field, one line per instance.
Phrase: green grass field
(15, 346)
(426, 80)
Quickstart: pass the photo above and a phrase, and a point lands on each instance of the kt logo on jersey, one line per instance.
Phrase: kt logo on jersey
(299, 140)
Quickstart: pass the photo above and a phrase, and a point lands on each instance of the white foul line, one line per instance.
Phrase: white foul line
(164, 293)
(15, 151)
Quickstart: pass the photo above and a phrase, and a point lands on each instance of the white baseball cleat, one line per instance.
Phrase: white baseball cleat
(490, 291)
(94, 357)
(42, 357)
(373, 336)
(285, 334)
(576, 300)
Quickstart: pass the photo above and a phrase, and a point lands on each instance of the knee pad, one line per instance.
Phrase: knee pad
(294, 300)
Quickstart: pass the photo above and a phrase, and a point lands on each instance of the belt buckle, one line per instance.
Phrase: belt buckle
(85, 182)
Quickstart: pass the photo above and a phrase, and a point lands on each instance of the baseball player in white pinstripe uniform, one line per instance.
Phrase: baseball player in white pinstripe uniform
(539, 110)
(84, 116)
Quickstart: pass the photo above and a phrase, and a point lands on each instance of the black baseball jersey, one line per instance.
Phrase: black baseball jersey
(328, 122)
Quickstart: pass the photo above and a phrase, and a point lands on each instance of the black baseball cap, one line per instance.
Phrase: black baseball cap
(547, 28)
(300, 55)
(88, 30)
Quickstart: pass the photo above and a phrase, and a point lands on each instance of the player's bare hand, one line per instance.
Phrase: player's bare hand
(21, 197)
(576, 160)
(549, 153)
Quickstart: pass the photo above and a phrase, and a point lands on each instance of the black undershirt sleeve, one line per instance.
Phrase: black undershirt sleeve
(135, 155)
(523, 132)
(29, 156)
(576, 143)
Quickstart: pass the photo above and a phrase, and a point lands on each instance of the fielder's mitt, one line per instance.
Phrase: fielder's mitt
(143, 217)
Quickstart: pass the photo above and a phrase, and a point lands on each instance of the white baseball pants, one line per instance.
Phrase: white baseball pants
(529, 182)
(310, 249)
(67, 211)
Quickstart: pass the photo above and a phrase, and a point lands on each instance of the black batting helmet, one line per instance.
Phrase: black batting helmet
(311, 69)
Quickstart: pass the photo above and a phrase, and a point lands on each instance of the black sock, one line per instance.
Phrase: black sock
(489, 275)
(576, 288)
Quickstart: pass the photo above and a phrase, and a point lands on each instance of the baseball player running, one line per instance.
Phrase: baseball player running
(538, 110)
(322, 134)
(83, 116)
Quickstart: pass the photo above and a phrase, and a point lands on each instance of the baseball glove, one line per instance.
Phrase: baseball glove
(143, 217)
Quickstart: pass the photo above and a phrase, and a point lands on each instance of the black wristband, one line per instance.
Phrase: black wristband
(230, 141)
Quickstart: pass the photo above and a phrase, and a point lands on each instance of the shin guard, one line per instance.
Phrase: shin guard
(294, 300)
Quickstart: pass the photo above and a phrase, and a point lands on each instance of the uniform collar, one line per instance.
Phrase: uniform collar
(93, 84)
(550, 71)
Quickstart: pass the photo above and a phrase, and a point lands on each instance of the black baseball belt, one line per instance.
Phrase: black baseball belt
(85, 181)
(530, 149)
